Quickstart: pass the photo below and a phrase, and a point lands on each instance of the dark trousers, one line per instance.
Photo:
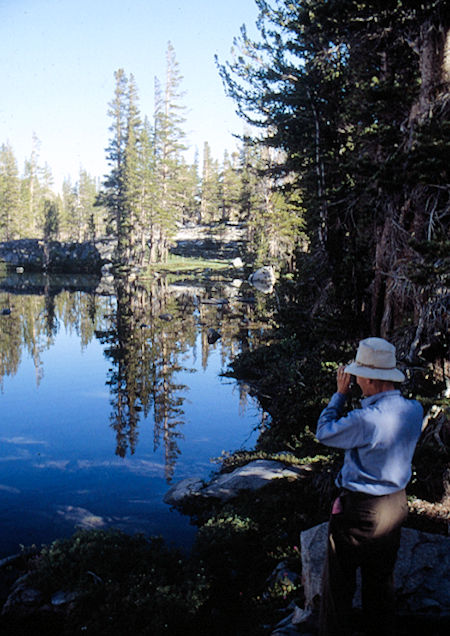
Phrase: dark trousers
(364, 532)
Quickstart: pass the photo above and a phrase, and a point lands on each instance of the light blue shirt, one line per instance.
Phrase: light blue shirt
(379, 440)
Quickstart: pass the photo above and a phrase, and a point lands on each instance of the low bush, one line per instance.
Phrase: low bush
(122, 584)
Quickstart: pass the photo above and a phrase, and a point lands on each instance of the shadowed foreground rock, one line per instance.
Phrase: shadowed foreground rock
(422, 580)
(422, 572)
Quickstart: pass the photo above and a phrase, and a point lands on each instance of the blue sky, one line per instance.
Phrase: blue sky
(58, 57)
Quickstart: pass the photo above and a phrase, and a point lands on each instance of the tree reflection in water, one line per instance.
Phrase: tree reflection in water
(147, 331)
(145, 351)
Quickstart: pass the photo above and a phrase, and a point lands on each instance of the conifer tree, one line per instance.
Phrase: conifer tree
(69, 230)
(250, 166)
(210, 191)
(358, 105)
(31, 192)
(169, 146)
(80, 216)
(115, 184)
(271, 208)
(119, 195)
(9, 194)
(89, 223)
(131, 220)
(190, 186)
(51, 220)
(230, 187)
(147, 221)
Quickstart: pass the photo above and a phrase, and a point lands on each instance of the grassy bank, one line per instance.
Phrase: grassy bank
(181, 264)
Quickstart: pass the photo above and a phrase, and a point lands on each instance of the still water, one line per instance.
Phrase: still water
(110, 393)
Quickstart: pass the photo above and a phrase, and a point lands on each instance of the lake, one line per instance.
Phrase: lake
(111, 392)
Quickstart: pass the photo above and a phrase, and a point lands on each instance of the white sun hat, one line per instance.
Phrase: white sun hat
(375, 359)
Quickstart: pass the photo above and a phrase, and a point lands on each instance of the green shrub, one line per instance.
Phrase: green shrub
(124, 584)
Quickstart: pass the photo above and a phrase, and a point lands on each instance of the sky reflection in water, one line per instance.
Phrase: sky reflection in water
(104, 405)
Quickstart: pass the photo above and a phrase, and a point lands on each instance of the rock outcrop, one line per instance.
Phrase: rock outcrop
(224, 241)
(210, 241)
(37, 255)
(226, 486)
(422, 571)
(263, 279)
(422, 580)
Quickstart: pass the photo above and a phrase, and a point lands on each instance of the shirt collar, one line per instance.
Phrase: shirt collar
(374, 398)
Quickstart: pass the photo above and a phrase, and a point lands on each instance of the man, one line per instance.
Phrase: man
(364, 530)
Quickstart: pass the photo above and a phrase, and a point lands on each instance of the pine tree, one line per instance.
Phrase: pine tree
(271, 208)
(169, 146)
(149, 187)
(357, 103)
(190, 187)
(250, 168)
(119, 191)
(147, 222)
(230, 187)
(81, 216)
(51, 220)
(69, 230)
(9, 194)
(131, 221)
(31, 192)
(210, 191)
(88, 215)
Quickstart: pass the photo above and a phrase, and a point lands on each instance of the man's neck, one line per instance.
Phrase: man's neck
(379, 386)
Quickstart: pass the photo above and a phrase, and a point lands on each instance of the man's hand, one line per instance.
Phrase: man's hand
(343, 381)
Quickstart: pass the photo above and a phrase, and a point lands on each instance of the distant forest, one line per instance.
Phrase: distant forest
(150, 189)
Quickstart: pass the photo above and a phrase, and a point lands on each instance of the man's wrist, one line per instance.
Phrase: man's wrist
(340, 397)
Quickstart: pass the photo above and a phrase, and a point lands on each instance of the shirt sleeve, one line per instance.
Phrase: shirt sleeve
(341, 432)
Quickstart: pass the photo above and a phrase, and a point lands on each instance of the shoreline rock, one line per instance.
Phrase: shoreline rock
(421, 575)
(422, 571)
(226, 486)
(37, 255)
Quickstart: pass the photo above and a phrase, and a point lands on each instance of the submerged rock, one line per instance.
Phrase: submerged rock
(215, 301)
(212, 335)
(263, 279)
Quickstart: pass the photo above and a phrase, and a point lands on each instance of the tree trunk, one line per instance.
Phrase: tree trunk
(379, 281)
(434, 51)
(412, 218)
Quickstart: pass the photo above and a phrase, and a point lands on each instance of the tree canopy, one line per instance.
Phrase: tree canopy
(356, 95)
